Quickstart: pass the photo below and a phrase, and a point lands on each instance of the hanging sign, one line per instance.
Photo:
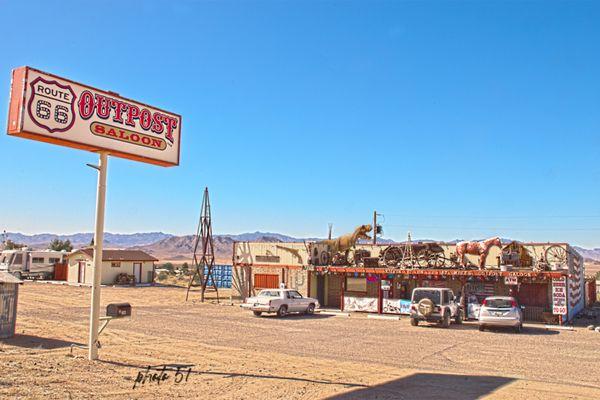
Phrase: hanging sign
(52, 109)
(559, 296)
(511, 280)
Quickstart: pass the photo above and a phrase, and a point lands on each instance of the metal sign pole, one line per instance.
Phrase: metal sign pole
(98, 242)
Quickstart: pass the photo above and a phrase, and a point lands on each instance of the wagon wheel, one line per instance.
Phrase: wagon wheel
(555, 254)
(424, 258)
(437, 260)
(391, 256)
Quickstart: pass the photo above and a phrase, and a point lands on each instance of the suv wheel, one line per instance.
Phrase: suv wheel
(257, 313)
(282, 311)
(446, 320)
(459, 318)
(414, 322)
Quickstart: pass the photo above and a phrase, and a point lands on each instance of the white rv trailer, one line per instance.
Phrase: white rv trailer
(31, 264)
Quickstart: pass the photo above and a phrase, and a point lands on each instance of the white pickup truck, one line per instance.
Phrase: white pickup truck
(280, 301)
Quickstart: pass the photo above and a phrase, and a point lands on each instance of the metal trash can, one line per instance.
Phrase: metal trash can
(9, 295)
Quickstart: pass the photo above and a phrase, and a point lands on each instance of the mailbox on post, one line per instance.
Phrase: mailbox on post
(118, 310)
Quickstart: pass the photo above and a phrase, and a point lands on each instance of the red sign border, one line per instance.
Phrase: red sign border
(16, 110)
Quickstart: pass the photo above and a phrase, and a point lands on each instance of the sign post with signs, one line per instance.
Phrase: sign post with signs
(51, 109)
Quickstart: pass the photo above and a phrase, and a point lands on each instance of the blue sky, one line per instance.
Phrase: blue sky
(453, 119)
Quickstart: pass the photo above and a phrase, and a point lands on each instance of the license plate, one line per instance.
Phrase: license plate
(499, 314)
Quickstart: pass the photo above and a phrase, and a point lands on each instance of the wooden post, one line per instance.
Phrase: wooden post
(380, 298)
(342, 292)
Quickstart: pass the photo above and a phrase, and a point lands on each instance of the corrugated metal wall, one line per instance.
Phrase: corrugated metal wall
(8, 309)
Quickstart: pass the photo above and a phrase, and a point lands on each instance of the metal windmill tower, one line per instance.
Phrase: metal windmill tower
(407, 255)
(206, 262)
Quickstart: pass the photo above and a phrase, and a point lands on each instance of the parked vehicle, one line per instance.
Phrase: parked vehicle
(437, 305)
(31, 264)
(473, 306)
(503, 311)
(280, 301)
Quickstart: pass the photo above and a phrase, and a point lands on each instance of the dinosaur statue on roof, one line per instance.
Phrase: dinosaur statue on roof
(348, 241)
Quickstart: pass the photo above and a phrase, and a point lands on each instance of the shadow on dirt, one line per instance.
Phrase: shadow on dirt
(297, 316)
(36, 342)
(527, 330)
(194, 371)
(430, 386)
(470, 326)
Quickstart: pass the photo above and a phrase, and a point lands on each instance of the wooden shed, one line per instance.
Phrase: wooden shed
(9, 295)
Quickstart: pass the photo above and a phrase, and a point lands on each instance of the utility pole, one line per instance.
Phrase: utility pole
(374, 227)
(98, 244)
(330, 229)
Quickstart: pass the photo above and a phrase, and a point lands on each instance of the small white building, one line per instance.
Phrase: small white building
(114, 262)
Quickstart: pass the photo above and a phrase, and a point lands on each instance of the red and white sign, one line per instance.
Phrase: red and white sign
(511, 280)
(559, 296)
(51, 109)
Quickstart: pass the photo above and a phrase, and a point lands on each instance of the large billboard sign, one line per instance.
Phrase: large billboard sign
(51, 109)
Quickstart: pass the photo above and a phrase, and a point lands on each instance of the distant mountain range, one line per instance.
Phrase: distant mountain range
(588, 254)
(170, 247)
(118, 240)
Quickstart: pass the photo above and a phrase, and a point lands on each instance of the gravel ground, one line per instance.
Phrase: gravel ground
(235, 355)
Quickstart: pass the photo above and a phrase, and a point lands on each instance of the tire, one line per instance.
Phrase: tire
(311, 309)
(481, 328)
(414, 322)
(282, 312)
(459, 318)
(257, 313)
(18, 275)
(425, 307)
(446, 320)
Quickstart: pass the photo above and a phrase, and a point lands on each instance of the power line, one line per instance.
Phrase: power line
(493, 217)
(489, 228)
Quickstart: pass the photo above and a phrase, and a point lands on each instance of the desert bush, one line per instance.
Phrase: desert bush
(162, 276)
(168, 266)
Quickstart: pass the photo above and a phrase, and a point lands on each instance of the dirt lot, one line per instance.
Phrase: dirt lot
(234, 355)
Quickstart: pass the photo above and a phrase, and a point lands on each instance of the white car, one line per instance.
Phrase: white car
(280, 301)
(503, 311)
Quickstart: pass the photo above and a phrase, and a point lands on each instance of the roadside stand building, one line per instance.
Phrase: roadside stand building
(118, 267)
(9, 296)
(546, 278)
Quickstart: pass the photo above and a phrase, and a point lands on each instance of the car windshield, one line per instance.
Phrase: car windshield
(433, 295)
(498, 303)
(269, 293)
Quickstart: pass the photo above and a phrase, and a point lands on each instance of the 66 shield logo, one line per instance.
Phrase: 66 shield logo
(52, 105)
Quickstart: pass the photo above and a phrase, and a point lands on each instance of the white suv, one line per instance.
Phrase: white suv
(434, 305)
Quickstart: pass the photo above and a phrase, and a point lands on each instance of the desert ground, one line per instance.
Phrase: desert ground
(234, 355)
